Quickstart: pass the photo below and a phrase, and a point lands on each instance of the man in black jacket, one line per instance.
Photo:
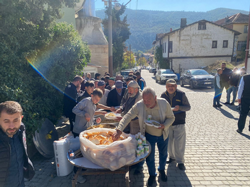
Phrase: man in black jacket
(233, 81)
(15, 164)
(70, 99)
(115, 95)
(177, 133)
(224, 77)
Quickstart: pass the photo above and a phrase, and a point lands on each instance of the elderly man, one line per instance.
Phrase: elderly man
(111, 83)
(15, 163)
(101, 85)
(116, 94)
(119, 77)
(133, 96)
(177, 132)
(160, 111)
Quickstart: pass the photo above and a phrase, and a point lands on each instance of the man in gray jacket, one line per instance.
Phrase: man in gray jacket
(160, 110)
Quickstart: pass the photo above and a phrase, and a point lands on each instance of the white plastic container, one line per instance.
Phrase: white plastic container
(61, 148)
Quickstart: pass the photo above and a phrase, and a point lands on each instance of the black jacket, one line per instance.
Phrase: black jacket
(113, 99)
(226, 73)
(180, 116)
(234, 79)
(69, 100)
(28, 170)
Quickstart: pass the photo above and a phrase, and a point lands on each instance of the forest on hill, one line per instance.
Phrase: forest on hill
(145, 24)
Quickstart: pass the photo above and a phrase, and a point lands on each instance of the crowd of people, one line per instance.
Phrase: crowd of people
(234, 81)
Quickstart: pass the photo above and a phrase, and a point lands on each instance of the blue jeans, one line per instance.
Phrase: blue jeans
(163, 153)
(233, 89)
(217, 96)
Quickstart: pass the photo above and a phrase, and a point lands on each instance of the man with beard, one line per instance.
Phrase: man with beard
(15, 163)
(224, 77)
(70, 99)
(116, 94)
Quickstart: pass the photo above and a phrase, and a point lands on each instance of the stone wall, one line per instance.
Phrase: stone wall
(99, 56)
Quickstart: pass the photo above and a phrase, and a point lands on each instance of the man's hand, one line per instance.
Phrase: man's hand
(176, 108)
(112, 109)
(87, 117)
(98, 120)
(116, 135)
(102, 112)
(239, 101)
(118, 118)
(161, 126)
(118, 111)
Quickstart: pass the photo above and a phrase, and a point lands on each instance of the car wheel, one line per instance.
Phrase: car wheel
(181, 83)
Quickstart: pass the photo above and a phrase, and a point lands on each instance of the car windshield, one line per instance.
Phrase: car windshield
(199, 72)
(167, 71)
(124, 73)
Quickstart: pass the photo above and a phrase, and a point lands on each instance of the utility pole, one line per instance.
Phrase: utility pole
(110, 38)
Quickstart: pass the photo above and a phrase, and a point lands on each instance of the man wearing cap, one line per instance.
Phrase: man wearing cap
(141, 82)
(119, 77)
(128, 100)
(116, 94)
(111, 83)
(177, 133)
(101, 84)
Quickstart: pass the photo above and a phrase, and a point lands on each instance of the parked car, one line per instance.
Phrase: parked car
(162, 75)
(197, 78)
(125, 73)
(152, 70)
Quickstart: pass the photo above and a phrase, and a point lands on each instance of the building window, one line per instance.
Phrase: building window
(225, 43)
(214, 44)
(245, 28)
(170, 46)
(202, 26)
(241, 45)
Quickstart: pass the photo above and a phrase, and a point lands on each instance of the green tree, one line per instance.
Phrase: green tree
(32, 48)
(129, 60)
(163, 63)
(142, 61)
(120, 33)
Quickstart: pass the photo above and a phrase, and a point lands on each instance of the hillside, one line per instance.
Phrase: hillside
(145, 24)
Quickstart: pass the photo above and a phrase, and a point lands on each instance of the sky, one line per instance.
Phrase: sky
(181, 5)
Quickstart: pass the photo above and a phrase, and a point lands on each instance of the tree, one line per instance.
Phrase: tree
(129, 60)
(120, 33)
(142, 61)
(163, 63)
(37, 57)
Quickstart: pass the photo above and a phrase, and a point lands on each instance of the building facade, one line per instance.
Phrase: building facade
(197, 45)
(237, 22)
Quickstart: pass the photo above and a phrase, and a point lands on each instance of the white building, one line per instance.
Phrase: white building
(197, 45)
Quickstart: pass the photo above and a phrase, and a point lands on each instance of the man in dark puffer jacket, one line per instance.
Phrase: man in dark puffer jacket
(14, 161)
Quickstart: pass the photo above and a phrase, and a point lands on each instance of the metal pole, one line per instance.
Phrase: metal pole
(248, 38)
(110, 39)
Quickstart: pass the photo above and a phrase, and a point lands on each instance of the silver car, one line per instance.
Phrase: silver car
(162, 75)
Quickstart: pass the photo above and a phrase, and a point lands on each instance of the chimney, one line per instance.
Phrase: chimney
(183, 22)
(170, 29)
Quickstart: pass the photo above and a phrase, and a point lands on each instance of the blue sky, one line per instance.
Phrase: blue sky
(180, 5)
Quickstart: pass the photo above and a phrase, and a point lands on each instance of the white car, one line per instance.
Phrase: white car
(162, 75)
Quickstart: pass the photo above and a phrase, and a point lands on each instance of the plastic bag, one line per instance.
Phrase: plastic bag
(113, 156)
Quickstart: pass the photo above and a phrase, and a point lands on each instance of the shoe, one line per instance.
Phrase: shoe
(219, 105)
(215, 106)
(239, 131)
(226, 103)
(170, 160)
(231, 103)
(181, 167)
(151, 180)
(163, 176)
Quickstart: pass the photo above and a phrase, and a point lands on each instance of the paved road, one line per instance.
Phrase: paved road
(216, 155)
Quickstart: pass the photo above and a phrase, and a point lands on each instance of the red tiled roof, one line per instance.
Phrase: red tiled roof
(237, 18)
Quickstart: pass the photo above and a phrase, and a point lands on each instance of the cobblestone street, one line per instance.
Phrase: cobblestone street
(216, 155)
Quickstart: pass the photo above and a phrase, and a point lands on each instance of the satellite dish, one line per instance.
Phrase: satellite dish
(44, 138)
(117, 6)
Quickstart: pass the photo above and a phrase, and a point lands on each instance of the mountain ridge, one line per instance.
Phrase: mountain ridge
(145, 24)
